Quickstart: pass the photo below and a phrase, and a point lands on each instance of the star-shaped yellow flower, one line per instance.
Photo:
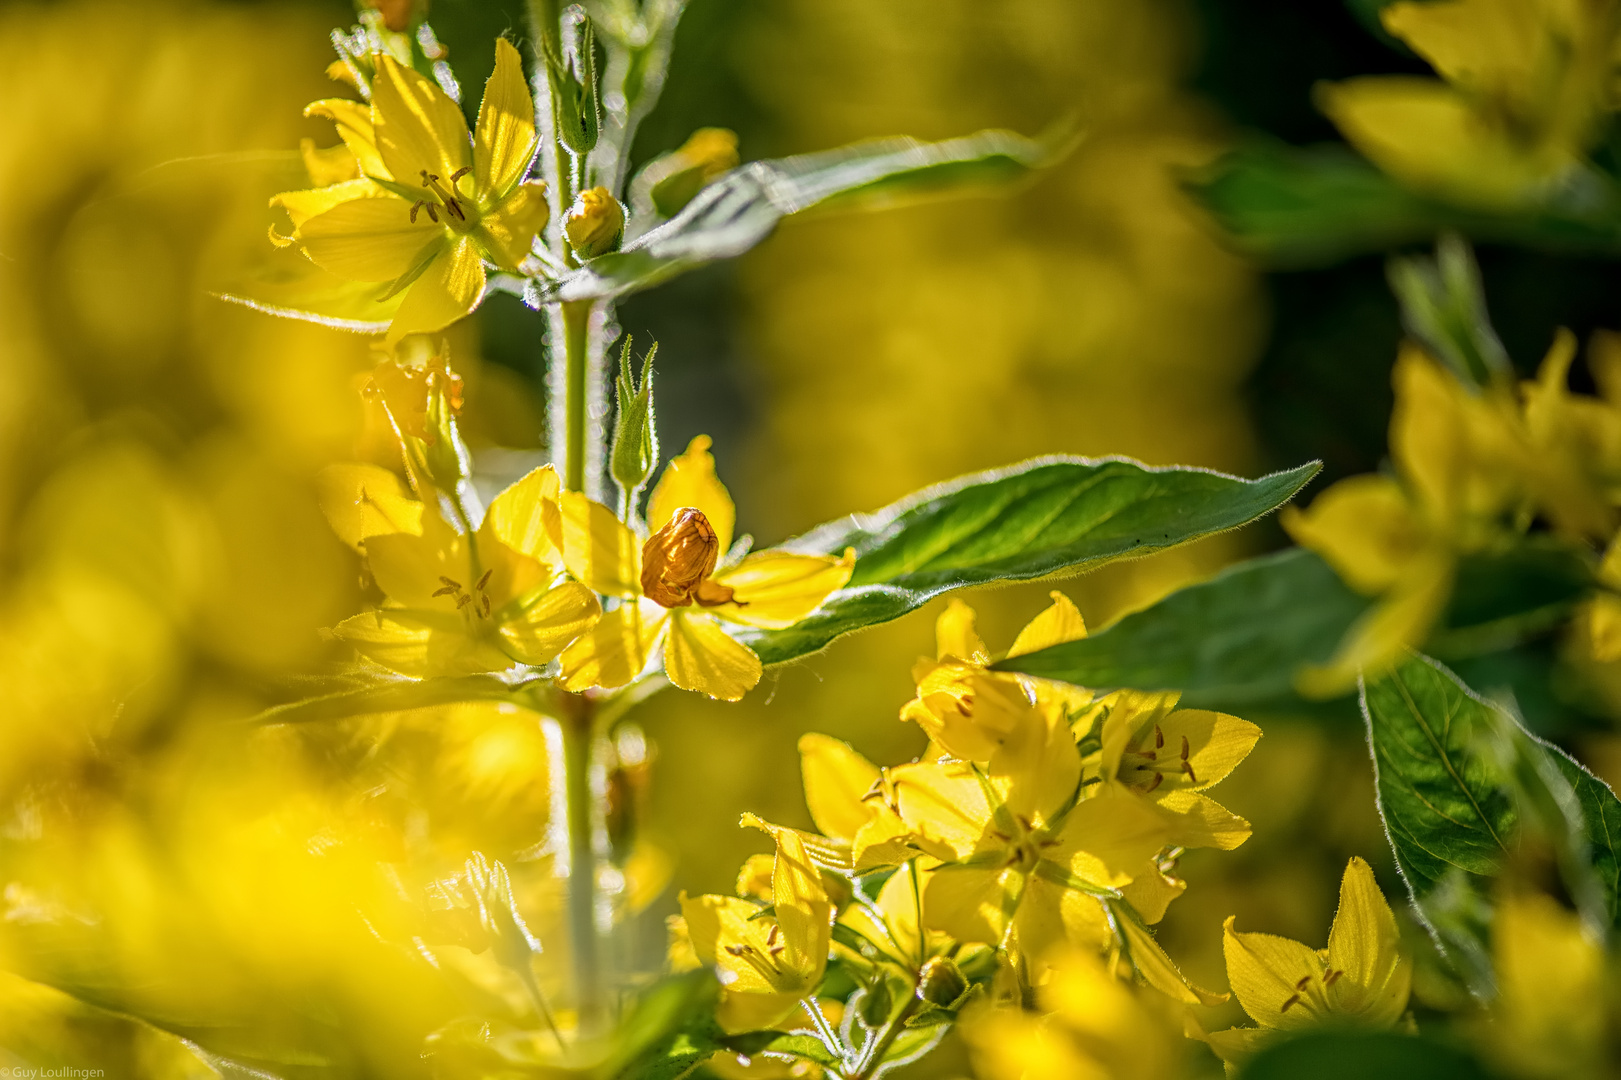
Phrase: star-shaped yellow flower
(670, 591)
(431, 202)
(1363, 977)
(458, 603)
(852, 802)
(767, 962)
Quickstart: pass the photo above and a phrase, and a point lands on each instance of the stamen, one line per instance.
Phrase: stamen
(1150, 755)
(1184, 748)
(1159, 778)
(459, 173)
(1187, 767)
(1293, 1000)
(739, 950)
(1159, 737)
(446, 591)
(777, 951)
(1000, 835)
(771, 938)
(1025, 822)
(1329, 979)
(414, 208)
(486, 611)
(1305, 981)
(431, 212)
(486, 578)
(463, 600)
(447, 581)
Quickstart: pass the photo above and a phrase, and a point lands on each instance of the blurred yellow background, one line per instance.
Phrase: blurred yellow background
(164, 569)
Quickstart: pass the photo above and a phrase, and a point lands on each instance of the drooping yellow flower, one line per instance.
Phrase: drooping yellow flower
(670, 591)
(430, 203)
(458, 603)
(1363, 977)
(767, 962)
(1527, 84)
(969, 711)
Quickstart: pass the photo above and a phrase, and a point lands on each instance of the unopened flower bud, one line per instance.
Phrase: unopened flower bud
(677, 558)
(706, 155)
(594, 223)
(941, 982)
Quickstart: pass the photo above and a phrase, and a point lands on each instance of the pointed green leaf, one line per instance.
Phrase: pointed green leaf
(1039, 518)
(741, 209)
(1230, 642)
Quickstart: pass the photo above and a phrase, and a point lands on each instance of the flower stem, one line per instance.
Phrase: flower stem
(576, 407)
(576, 716)
(874, 1056)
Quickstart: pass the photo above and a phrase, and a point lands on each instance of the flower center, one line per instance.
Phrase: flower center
(678, 559)
(475, 602)
(1146, 768)
(763, 962)
(444, 199)
(1310, 996)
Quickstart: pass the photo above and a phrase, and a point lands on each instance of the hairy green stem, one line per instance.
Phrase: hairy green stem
(576, 717)
(874, 1057)
(577, 358)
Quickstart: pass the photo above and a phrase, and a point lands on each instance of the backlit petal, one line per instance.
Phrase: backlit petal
(1157, 969)
(545, 627)
(369, 239)
(1268, 972)
(353, 120)
(616, 647)
(508, 230)
(1362, 527)
(776, 589)
(1216, 744)
(1060, 623)
(419, 643)
(836, 781)
(1366, 945)
(954, 635)
(944, 804)
(1199, 821)
(800, 906)
(690, 480)
(418, 127)
(449, 289)
(1107, 839)
(411, 569)
(971, 904)
(526, 517)
(702, 657)
(504, 138)
(713, 923)
(362, 500)
(597, 547)
(308, 203)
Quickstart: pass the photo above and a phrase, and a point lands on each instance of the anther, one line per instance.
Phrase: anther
(1159, 737)
(1328, 980)
(1184, 748)
(446, 591)
(739, 950)
(486, 577)
(448, 581)
(1187, 767)
(1293, 1000)
(1150, 755)
(1305, 981)
(486, 606)
(463, 600)
(1159, 778)
(771, 938)
(414, 208)
(777, 951)
(431, 213)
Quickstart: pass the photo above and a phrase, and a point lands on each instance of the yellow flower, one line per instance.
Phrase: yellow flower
(431, 203)
(853, 803)
(673, 181)
(1362, 977)
(1550, 1018)
(967, 711)
(458, 603)
(670, 591)
(767, 962)
(594, 223)
(1092, 1025)
(1527, 84)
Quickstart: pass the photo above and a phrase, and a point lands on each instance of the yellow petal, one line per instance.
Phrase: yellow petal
(1108, 838)
(410, 569)
(419, 643)
(1272, 977)
(509, 229)
(328, 165)
(504, 137)
(1157, 969)
(1216, 744)
(713, 923)
(754, 877)
(1401, 621)
(369, 239)
(1152, 891)
(419, 129)
(353, 120)
(690, 480)
(1362, 527)
(837, 780)
(944, 804)
(885, 840)
(1200, 821)
(543, 629)
(1237, 1045)
(740, 1012)
(597, 547)
(1365, 946)
(303, 205)
(526, 517)
(800, 907)
(616, 647)
(954, 635)
(448, 289)
(1039, 762)
(1060, 623)
(700, 656)
(972, 903)
(1130, 723)
(366, 500)
(776, 589)
(1490, 45)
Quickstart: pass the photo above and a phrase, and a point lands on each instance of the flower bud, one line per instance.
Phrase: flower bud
(708, 154)
(574, 89)
(635, 439)
(678, 557)
(594, 223)
(941, 982)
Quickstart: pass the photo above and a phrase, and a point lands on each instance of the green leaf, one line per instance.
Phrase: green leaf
(1502, 596)
(804, 1047)
(741, 209)
(1443, 305)
(670, 1030)
(1337, 1055)
(1292, 206)
(1462, 787)
(393, 696)
(1230, 642)
(1039, 518)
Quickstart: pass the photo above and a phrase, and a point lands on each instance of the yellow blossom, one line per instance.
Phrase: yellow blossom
(968, 711)
(853, 803)
(458, 603)
(430, 203)
(594, 223)
(1526, 86)
(673, 181)
(767, 962)
(1363, 977)
(672, 593)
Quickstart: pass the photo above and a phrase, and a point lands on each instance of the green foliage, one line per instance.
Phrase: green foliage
(1032, 520)
(1344, 1055)
(1444, 307)
(1466, 792)
(634, 449)
(1234, 641)
(741, 209)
